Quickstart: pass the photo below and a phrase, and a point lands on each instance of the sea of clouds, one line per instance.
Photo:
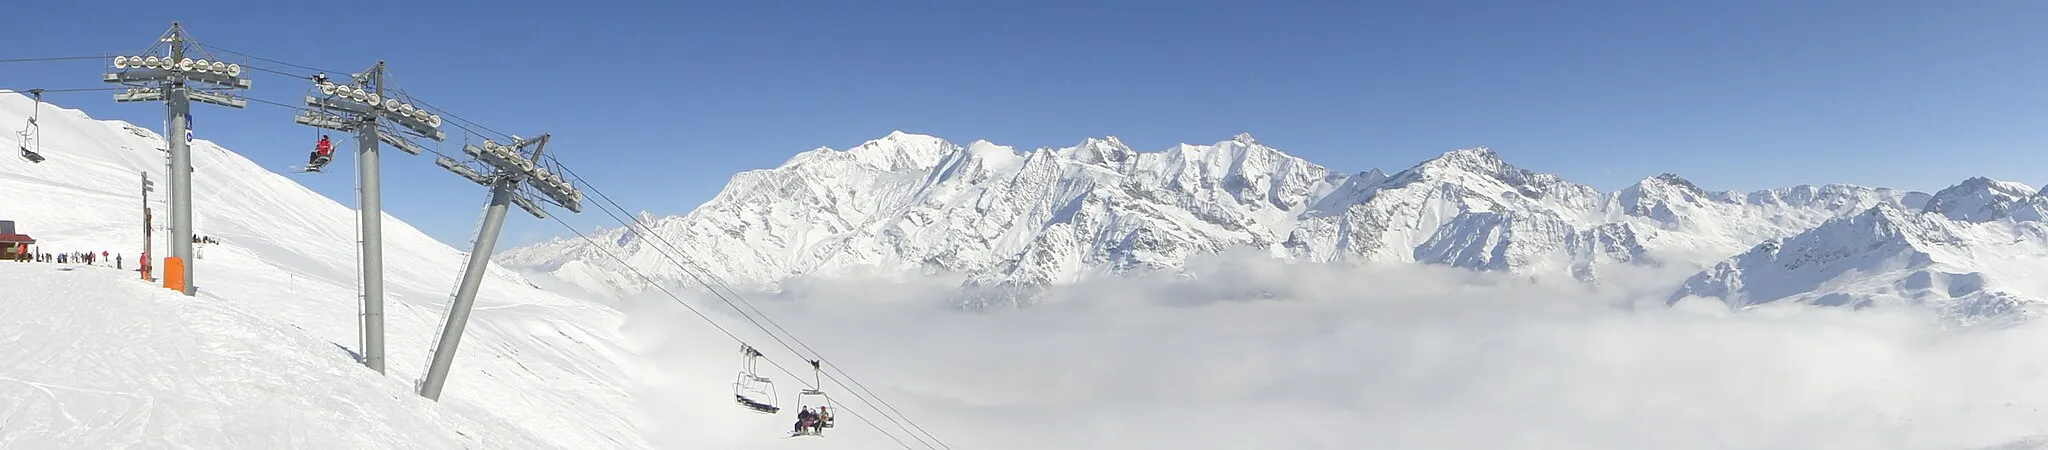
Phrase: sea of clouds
(1250, 353)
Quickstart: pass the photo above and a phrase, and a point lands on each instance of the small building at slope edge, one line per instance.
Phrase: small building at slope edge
(13, 246)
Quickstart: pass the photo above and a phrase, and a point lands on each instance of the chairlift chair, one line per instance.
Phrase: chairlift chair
(30, 134)
(30, 155)
(321, 87)
(751, 390)
(815, 396)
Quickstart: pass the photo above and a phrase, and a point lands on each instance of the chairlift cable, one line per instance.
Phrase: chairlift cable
(700, 279)
(259, 58)
(458, 121)
(756, 324)
(722, 297)
(55, 58)
(665, 251)
(46, 91)
(707, 319)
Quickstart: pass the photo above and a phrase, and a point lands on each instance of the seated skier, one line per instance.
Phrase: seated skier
(322, 153)
(804, 419)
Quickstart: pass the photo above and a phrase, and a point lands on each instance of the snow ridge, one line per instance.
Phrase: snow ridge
(1888, 255)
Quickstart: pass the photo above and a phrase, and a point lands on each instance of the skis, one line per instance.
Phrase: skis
(315, 168)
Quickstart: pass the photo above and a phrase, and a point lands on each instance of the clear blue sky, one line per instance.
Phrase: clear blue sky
(661, 102)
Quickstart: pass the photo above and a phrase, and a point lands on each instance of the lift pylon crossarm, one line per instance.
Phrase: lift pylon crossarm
(324, 121)
(401, 112)
(221, 99)
(416, 126)
(139, 95)
(400, 142)
(168, 76)
(463, 170)
(332, 103)
(528, 205)
(194, 68)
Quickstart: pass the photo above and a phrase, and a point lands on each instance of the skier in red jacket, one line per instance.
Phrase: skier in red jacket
(322, 153)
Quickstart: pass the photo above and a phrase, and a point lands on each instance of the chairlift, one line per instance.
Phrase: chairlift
(31, 134)
(751, 390)
(815, 396)
(317, 163)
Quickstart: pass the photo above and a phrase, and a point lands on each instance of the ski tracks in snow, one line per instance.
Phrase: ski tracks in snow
(93, 358)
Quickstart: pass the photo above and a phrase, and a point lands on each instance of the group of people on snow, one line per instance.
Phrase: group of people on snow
(197, 239)
(812, 422)
(87, 258)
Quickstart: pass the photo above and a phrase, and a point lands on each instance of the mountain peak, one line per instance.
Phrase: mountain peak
(1673, 181)
(1245, 138)
(1884, 243)
(1474, 152)
(1907, 226)
(898, 137)
(895, 152)
(1477, 160)
(1101, 151)
(1979, 199)
(1667, 197)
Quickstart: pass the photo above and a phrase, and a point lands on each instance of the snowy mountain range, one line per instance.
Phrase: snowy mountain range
(1974, 252)
(1009, 222)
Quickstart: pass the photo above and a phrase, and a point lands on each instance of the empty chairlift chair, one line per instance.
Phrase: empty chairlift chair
(31, 134)
(751, 390)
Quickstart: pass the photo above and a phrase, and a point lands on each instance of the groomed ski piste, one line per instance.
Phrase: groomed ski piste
(96, 358)
(263, 356)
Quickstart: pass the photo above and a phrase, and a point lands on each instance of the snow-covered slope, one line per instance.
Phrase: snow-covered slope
(545, 366)
(1011, 220)
(93, 357)
(1949, 257)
